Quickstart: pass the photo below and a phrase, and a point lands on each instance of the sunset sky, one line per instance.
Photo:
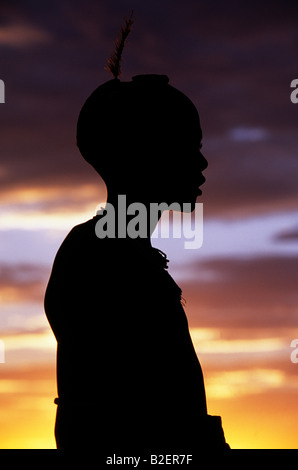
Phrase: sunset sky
(236, 61)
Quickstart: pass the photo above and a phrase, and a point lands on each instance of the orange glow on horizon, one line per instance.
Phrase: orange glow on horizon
(250, 399)
(249, 421)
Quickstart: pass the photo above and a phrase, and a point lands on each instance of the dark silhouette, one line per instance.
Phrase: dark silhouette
(128, 375)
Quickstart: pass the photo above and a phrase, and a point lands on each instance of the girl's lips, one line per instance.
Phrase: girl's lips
(202, 181)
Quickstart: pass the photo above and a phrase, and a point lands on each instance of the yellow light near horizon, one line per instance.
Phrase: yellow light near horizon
(38, 341)
(29, 194)
(39, 220)
(23, 208)
(248, 422)
(259, 421)
(242, 382)
(209, 341)
(28, 422)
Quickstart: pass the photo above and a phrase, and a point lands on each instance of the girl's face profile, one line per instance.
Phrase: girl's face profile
(183, 177)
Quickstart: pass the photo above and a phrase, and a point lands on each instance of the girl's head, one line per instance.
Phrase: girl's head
(144, 138)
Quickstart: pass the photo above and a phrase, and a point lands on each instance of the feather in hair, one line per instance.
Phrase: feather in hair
(114, 61)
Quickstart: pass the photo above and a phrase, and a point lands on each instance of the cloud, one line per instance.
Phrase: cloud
(49, 207)
(242, 382)
(22, 283)
(253, 134)
(287, 236)
(22, 35)
(41, 342)
(248, 293)
(228, 238)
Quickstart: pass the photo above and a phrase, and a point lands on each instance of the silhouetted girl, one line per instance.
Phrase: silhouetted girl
(128, 375)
